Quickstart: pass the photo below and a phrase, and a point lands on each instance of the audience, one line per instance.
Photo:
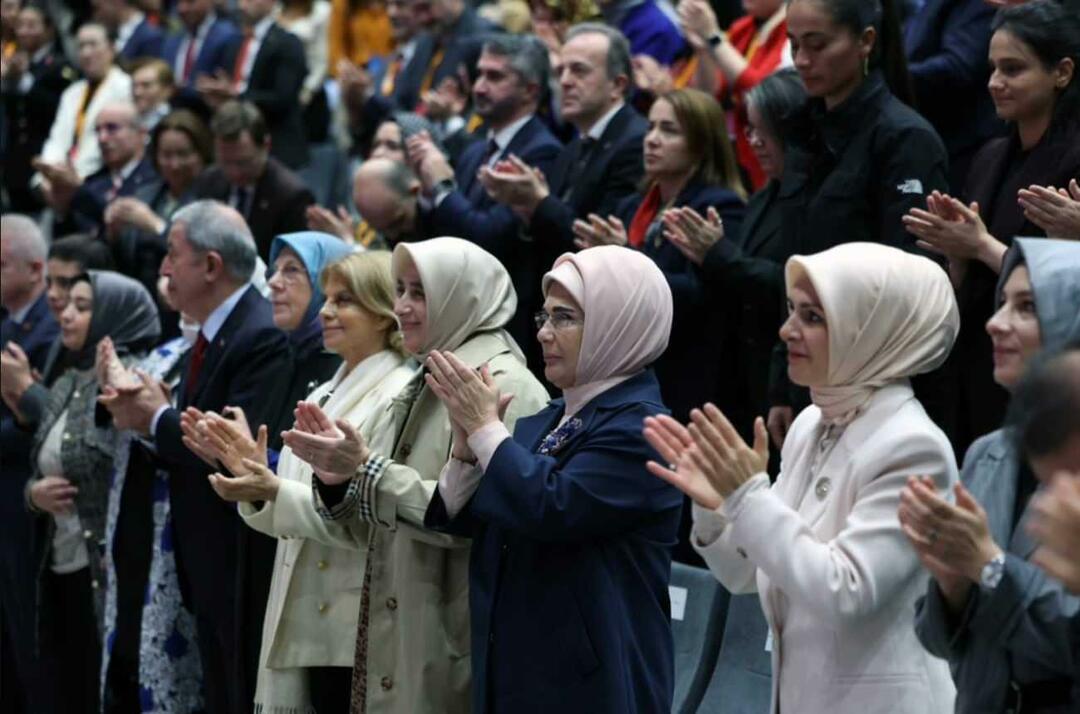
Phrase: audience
(136, 35)
(996, 617)
(309, 20)
(152, 88)
(198, 49)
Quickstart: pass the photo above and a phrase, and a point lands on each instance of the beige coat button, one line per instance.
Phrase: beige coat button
(387, 684)
(391, 603)
(741, 552)
(67, 436)
(87, 535)
(322, 607)
(321, 565)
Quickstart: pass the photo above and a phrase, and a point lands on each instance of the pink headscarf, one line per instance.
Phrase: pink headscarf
(891, 315)
(628, 310)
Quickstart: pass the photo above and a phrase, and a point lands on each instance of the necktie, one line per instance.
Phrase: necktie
(587, 145)
(114, 191)
(241, 60)
(243, 196)
(476, 189)
(189, 59)
(198, 353)
(390, 78)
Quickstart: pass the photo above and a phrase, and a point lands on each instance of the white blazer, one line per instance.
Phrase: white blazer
(836, 576)
(116, 87)
(314, 602)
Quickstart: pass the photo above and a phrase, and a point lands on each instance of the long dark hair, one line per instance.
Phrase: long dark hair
(888, 51)
(1053, 34)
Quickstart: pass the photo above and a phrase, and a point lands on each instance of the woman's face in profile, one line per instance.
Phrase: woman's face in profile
(560, 332)
(806, 334)
(410, 307)
(75, 317)
(1014, 329)
(1020, 85)
(388, 143)
(290, 290)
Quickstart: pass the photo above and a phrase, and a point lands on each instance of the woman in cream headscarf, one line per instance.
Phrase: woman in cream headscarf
(572, 538)
(412, 644)
(824, 547)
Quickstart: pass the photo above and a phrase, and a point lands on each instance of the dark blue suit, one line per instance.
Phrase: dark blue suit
(247, 356)
(471, 214)
(87, 211)
(570, 563)
(221, 36)
(145, 41)
(17, 569)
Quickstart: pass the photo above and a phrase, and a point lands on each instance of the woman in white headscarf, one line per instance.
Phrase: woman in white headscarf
(412, 643)
(823, 547)
(572, 538)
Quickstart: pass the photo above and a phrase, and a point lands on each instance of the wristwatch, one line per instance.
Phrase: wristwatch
(992, 572)
(715, 39)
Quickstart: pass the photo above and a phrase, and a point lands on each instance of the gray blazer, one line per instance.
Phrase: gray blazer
(1019, 631)
(86, 453)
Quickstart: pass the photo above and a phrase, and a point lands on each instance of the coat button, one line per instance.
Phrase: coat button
(741, 552)
(87, 535)
(822, 488)
(386, 683)
(75, 394)
(95, 584)
(67, 436)
(321, 565)
(406, 449)
(322, 607)
(391, 603)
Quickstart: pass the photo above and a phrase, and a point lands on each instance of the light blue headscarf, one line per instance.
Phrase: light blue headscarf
(1054, 267)
(316, 251)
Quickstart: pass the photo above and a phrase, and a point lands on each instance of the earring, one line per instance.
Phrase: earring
(865, 66)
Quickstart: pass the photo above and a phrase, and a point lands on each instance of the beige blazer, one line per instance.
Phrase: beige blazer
(115, 87)
(418, 659)
(836, 576)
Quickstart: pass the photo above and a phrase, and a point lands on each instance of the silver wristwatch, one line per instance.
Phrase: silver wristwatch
(992, 572)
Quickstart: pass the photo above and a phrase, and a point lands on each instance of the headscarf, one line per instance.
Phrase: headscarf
(1054, 267)
(891, 315)
(628, 309)
(411, 124)
(124, 311)
(468, 291)
(316, 251)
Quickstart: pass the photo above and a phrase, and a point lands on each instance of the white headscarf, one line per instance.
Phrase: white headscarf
(628, 309)
(890, 314)
(467, 291)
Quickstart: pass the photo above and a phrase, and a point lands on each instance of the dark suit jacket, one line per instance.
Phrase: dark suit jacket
(689, 370)
(274, 87)
(146, 41)
(568, 575)
(221, 36)
(997, 174)
(612, 172)
(247, 354)
(277, 206)
(87, 211)
(29, 119)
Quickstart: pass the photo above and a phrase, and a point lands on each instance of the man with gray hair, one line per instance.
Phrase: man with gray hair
(512, 80)
(237, 358)
(27, 331)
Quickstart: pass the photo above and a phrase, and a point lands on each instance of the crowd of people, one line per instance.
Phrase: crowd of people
(383, 355)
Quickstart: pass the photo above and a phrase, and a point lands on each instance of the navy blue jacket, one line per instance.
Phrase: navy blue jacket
(145, 41)
(221, 36)
(87, 211)
(570, 563)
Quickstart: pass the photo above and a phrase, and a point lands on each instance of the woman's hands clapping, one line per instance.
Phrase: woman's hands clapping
(252, 479)
(691, 232)
(472, 398)
(335, 450)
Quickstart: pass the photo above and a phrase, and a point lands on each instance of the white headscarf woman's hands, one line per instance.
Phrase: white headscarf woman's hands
(472, 399)
(335, 450)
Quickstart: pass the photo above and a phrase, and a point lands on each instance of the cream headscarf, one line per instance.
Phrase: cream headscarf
(891, 315)
(467, 289)
(628, 310)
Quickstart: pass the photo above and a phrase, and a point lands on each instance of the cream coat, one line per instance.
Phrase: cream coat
(314, 598)
(116, 87)
(837, 578)
(418, 648)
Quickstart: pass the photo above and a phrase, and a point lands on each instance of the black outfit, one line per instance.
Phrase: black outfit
(274, 87)
(998, 172)
(246, 356)
(277, 203)
(29, 117)
(589, 177)
(850, 174)
(87, 211)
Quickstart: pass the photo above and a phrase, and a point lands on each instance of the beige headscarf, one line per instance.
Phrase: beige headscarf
(468, 291)
(628, 310)
(891, 315)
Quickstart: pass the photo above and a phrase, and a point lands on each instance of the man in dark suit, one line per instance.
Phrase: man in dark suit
(27, 330)
(602, 165)
(236, 358)
(269, 196)
(199, 50)
(34, 78)
(512, 80)
(267, 68)
(136, 36)
(126, 170)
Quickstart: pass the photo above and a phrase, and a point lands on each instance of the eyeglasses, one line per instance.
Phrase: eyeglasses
(291, 274)
(558, 320)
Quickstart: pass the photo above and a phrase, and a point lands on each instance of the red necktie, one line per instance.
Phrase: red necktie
(189, 59)
(241, 60)
(198, 352)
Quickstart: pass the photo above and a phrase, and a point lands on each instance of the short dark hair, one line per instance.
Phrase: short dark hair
(86, 250)
(235, 117)
(1045, 408)
(527, 54)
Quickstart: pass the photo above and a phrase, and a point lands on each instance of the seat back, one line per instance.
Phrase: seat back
(742, 680)
(698, 608)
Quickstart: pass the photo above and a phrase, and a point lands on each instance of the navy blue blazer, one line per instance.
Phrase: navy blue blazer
(246, 358)
(87, 211)
(221, 36)
(145, 41)
(570, 563)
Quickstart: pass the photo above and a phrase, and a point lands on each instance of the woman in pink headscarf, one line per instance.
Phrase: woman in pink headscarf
(571, 550)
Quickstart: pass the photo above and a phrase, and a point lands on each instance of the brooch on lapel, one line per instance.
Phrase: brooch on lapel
(555, 439)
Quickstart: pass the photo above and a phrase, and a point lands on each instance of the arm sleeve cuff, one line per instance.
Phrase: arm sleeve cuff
(458, 481)
(157, 417)
(359, 496)
(486, 440)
